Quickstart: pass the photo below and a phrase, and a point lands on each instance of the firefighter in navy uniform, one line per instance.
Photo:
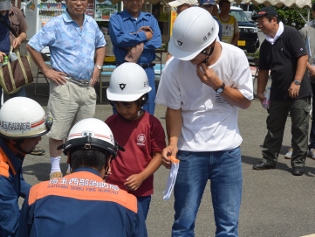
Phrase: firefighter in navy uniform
(22, 123)
(82, 203)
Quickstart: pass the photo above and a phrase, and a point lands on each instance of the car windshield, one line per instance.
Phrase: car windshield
(239, 15)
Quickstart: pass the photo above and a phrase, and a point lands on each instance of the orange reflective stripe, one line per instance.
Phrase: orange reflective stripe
(4, 169)
(62, 188)
(5, 164)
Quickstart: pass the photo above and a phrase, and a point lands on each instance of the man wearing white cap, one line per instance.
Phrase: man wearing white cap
(202, 87)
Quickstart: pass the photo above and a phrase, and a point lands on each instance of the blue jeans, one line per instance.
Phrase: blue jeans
(145, 204)
(224, 169)
(150, 105)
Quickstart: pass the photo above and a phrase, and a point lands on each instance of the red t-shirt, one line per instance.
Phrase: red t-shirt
(140, 138)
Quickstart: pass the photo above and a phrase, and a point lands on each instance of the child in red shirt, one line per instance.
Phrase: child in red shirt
(140, 133)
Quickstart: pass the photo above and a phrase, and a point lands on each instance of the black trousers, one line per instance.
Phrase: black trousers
(278, 112)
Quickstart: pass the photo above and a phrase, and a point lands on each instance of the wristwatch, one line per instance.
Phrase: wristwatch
(98, 66)
(297, 82)
(221, 88)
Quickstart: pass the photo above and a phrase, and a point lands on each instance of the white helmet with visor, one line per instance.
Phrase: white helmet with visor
(91, 134)
(194, 30)
(128, 83)
(22, 117)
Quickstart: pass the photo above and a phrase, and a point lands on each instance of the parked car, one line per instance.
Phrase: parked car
(248, 40)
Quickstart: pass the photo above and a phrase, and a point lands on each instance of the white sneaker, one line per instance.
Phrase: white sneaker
(311, 153)
(288, 155)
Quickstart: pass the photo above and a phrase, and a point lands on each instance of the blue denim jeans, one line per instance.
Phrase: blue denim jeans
(224, 169)
(145, 204)
(150, 105)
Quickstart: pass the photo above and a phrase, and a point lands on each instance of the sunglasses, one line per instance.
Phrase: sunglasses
(204, 52)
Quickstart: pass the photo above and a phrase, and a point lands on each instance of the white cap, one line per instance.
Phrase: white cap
(5, 5)
(181, 2)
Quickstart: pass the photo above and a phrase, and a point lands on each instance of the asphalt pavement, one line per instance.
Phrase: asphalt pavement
(275, 203)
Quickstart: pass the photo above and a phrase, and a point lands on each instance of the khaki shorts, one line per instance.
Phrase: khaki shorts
(67, 105)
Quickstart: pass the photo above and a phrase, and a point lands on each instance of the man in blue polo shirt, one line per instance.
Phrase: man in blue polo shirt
(134, 31)
(74, 40)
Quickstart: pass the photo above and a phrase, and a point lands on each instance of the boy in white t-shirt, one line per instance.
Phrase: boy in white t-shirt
(202, 87)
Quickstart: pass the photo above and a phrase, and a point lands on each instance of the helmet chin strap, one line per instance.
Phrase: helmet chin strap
(107, 172)
(18, 147)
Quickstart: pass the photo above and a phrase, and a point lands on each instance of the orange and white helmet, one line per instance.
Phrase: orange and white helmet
(128, 83)
(194, 30)
(22, 117)
(91, 133)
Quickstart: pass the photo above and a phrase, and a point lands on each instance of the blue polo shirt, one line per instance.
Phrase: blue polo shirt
(123, 31)
(71, 48)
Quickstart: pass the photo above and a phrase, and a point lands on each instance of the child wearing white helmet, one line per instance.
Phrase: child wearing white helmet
(140, 133)
(22, 124)
(202, 87)
(81, 203)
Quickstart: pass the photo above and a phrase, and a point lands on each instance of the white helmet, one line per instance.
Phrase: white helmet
(194, 29)
(21, 117)
(128, 83)
(91, 133)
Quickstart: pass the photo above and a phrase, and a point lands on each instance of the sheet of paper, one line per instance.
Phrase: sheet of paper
(171, 178)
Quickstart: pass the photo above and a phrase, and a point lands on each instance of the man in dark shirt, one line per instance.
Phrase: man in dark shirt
(283, 53)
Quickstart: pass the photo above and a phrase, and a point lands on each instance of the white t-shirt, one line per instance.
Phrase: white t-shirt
(209, 122)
